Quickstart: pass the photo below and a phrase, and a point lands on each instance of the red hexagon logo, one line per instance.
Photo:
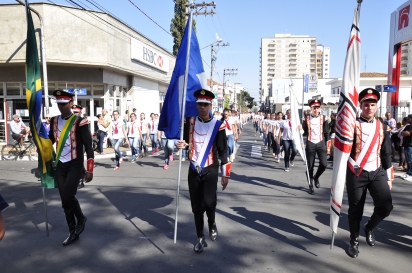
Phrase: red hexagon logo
(160, 61)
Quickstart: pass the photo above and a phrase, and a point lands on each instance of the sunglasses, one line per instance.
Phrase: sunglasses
(203, 104)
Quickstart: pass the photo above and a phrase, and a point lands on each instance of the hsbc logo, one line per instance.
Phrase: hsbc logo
(160, 61)
(404, 17)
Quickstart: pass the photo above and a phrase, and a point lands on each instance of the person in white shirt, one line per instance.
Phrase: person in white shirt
(118, 136)
(19, 130)
(287, 140)
(153, 124)
(101, 133)
(134, 134)
(230, 137)
(270, 132)
(263, 127)
(276, 130)
(144, 127)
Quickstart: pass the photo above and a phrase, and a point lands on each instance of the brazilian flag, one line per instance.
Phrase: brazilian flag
(34, 95)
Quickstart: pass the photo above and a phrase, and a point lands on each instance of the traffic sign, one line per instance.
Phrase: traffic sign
(386, 88)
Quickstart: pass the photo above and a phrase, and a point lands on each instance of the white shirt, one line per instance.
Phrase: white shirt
(270, 123)
(314, 129)
(229, 124)
(372, 163)
(119, 125)
(287, 131)
(277, 124)
(135, 126)
(66, 154)
(153, 124)
(143, 126)
(17, 127)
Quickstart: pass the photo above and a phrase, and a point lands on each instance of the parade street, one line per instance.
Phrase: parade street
(266, 219)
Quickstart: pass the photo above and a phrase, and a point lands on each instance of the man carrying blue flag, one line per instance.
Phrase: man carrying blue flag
(205, 138)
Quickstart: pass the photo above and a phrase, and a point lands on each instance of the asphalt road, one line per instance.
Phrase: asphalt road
(266, 219)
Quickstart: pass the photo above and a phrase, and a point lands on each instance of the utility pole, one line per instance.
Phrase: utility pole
(195, 8)
(227, 71)
(213, 60)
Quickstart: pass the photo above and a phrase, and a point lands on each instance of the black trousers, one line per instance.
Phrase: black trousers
(376, 183)
(311, 150)
(202, 191)
(271, 142)
(68, 175)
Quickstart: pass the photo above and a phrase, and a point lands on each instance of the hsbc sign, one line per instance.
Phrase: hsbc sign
(143, 53)
(401, 24)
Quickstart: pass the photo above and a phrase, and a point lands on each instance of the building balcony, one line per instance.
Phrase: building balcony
(405, 54)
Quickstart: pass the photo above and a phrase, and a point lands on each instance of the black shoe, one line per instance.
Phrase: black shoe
(353, 249)
(81, 224)
(72, 237)
(213, 232)
(201, 243)
(317, 185)
(370, 237)
(311, 190)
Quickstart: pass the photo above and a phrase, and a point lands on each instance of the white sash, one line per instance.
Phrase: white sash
(203, 150)
(365, 147)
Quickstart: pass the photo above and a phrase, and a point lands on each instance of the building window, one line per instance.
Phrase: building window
(13, 89)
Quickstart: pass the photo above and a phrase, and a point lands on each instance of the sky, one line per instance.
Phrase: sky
(243, 23)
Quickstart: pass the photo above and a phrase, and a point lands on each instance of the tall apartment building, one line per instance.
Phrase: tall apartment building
(323, 62)
(406, 59)
(287, 56)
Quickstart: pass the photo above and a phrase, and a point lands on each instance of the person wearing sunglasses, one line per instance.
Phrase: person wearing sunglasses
(205, 139)
(46, 123)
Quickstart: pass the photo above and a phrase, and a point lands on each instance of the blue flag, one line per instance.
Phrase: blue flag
(170, 117)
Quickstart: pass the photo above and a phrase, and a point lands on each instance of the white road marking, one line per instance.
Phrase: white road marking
(256, 151)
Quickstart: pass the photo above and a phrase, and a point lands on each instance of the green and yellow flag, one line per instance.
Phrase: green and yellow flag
(34, 95)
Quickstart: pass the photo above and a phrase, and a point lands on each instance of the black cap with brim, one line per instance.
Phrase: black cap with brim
(63, 96)
(369, 94)
(204, 96)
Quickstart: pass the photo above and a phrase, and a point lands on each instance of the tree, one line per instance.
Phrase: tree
(244, 100)
(178, 24)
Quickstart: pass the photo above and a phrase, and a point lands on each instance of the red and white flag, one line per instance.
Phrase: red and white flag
(345, 121)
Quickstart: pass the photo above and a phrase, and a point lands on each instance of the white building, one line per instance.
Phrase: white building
(323, 62)
(117, 66)
(286, 56)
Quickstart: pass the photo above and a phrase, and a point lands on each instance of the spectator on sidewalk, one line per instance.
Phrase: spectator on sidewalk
(46, 124)
(107, 121)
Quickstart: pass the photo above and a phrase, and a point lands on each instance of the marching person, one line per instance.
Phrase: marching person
(144, 127)
(316, 129)
(230, 134)
(369, 168)
(134, 134)
(205, 138)
(288, 143)
(71, 134)
(118, 136)
(153, 125)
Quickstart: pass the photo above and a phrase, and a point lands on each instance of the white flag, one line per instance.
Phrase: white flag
(345, 121)
(297, 137)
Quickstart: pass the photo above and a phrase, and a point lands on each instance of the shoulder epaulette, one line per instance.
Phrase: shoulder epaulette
(84, 121)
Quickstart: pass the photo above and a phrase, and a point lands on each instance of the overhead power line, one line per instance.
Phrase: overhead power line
(150, 18)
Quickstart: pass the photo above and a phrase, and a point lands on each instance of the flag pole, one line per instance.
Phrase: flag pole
(333, 240)
(333, 233)
(47, 109)
(183, 119)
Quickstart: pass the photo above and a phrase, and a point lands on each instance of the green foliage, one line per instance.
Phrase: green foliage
(244, 101)
(178, 24)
